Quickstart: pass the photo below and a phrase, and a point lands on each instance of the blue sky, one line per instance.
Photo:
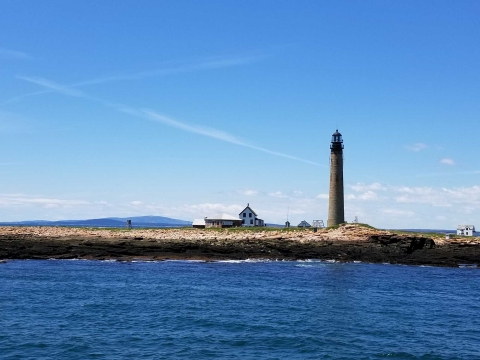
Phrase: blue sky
(188, 108)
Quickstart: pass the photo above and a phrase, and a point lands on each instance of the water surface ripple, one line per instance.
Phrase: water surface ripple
(235, 310)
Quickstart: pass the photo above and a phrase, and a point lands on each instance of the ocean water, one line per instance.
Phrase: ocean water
(237, 310)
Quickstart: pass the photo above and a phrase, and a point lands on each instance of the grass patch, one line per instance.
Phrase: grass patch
(333, 227)
(425, 234)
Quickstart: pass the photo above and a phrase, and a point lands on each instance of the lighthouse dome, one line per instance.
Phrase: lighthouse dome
(337, 137)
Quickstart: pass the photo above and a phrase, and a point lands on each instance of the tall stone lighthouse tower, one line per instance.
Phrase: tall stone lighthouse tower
(335, 199)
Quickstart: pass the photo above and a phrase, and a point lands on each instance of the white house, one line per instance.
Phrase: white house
(250, 217)
(222, 221)
(466, 230)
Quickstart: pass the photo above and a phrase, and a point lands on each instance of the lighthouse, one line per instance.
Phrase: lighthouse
(336, 213)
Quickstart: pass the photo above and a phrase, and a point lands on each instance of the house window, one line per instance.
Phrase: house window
(243, 221)
(251, 221)
(250, 215)
(244, 215)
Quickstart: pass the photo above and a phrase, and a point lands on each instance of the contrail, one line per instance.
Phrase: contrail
(152, 115)
(204, 64)
(217, 134)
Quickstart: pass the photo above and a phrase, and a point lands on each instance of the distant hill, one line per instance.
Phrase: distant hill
(137, 221)
(153, 220)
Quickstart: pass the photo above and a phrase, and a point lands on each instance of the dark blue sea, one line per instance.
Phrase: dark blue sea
(237, 310)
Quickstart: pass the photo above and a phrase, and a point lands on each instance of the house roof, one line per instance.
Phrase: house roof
(223, 217)
(304, 224)
(248, 207)
(462, 227)
(198, 222)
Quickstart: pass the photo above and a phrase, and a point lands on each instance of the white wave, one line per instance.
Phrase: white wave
(304, 265)
(244, 261)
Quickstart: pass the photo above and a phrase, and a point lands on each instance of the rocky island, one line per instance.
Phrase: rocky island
(348, 242)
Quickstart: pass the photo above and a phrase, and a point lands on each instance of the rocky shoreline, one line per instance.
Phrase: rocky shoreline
(346, 243)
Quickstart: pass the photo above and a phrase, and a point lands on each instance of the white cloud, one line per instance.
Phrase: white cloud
(247, 192)
(459, 197)
(447, 161)
(25, 199)
(422, 195)
(398, 213)
(297, 193)
(416, 147)
(366, 196)
(277, 194)
(361, 187)
(49, 206)
(397, 207)
(207, 209)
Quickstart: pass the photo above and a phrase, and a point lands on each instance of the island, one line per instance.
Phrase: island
(344, 243)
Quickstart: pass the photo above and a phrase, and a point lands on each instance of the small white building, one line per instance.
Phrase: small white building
(250, 218)
(466, 230)
(199, 223)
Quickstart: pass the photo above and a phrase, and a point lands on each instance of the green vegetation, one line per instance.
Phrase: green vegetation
(356, 224)
(425, 234)
(367, 226)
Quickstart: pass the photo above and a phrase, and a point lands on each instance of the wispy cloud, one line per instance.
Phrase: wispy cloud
(154, 116)
(277, 194)
(447, 161)
(366, 187)
(20, 97)
(208, 209)
(20, 199)
(13, 54)
(449, 173)
(366, 196)
(398, 213)
(248, 192)
(217, 134)
(199, 65)
(416, 147)
(53, 86)
(182, 67)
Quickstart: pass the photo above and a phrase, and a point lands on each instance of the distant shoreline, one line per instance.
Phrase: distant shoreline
(348, 243)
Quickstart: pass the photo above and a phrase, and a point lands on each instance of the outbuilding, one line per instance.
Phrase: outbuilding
(304, 224)
(466, 230)
(199, 223)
